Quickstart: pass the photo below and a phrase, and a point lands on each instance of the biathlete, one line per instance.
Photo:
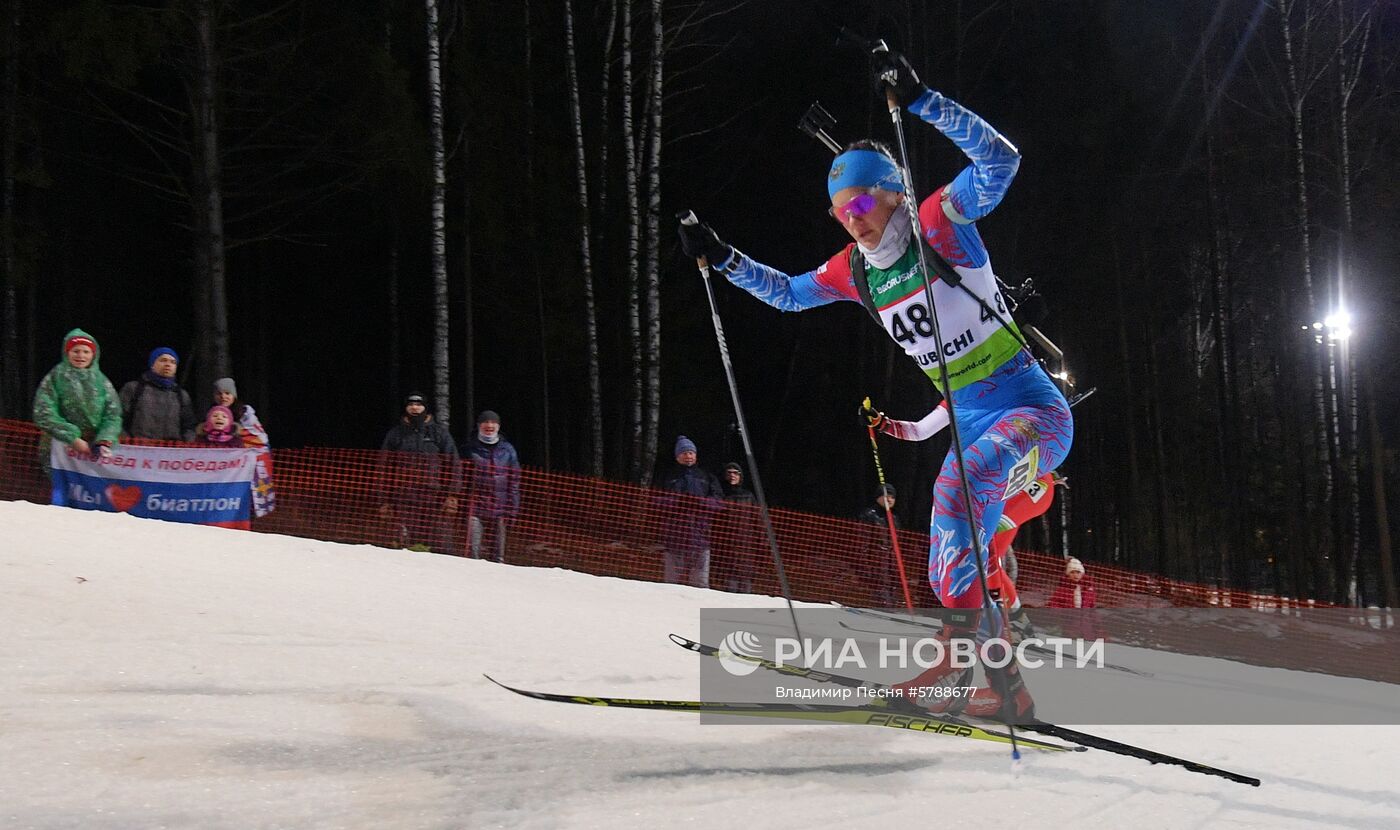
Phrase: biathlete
(1014, 423)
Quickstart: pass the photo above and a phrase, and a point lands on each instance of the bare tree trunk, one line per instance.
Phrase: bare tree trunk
(1232, 474)
(1130, 499)
(11, 399)
(533, 235)
(212, 360)
(1299, 86)
(651, 348)
(1353, 40)
(442, 376)
(595, 384)
(1384, 554)
(1159, 448)
(395, 326)
(31, 353)
(604, 126)
(632, 196)
(468, 292)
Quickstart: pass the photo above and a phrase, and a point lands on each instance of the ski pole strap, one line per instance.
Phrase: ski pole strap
(863, 285)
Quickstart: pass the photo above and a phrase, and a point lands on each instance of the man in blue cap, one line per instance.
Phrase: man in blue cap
(692, 498)
(156, 407)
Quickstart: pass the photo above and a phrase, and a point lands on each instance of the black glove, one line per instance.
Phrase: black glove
(902, 77)
(1033, 309)
(873, 418)
(698, 240)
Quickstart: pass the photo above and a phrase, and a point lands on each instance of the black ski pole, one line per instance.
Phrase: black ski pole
(688, 218)
(911, 207)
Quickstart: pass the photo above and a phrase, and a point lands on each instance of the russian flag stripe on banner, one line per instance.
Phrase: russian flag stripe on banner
(200, 486)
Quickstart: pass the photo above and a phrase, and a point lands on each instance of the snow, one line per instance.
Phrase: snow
(163, 675)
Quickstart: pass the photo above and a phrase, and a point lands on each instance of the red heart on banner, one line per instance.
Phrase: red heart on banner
(123, 498)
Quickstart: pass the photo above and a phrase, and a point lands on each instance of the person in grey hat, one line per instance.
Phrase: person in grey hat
(420, 476)
(493, 485)
(692, 498)
(253, 436)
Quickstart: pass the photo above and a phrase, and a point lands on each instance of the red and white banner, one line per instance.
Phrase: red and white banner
(196, 485)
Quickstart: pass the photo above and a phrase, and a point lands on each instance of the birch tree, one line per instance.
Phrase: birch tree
(1353, 30)
(442, 378)
(632, 200)
(651, 273)
(585, 263)
(533, 235)
(1298, 22)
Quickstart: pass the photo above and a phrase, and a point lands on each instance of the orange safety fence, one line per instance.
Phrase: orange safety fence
(616, 529)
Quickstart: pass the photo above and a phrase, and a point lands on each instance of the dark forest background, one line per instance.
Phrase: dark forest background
(1202, 181)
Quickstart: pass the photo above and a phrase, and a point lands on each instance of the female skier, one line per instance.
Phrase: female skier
(1013, 422)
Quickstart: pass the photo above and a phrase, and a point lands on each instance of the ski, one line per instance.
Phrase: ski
(879, 704)
(1083, 739)
(930, 626)
(875, 715)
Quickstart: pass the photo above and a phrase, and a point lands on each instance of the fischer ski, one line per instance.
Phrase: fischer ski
(874, 715)
(1083, 739)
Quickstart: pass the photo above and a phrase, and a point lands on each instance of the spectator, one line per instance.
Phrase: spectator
(254, 436)
(493, 481)
(1077, 594)
(692, 498)
(419, 480)
(1074, 591)
(219, 429)
(155, 406)
(75, 404)
(880, 549)
(738, 541)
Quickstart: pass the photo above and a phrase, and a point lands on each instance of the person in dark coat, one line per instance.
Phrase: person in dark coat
(493, 486)
(420, 476)
(692, 498)
(738, 542)
(879, 550)
(156, 407)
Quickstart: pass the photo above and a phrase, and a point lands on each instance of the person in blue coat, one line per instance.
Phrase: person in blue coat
(691, 499)
(493, 486)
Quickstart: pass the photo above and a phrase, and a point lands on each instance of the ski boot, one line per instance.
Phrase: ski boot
(935, 689)
(1005, 697)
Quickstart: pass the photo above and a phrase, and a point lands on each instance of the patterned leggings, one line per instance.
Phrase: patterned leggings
(995, 443)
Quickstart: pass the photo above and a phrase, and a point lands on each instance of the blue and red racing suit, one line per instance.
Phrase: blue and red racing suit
(1014, 423)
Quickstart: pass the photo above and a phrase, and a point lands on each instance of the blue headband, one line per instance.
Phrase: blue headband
(863, 168)
(163, 350)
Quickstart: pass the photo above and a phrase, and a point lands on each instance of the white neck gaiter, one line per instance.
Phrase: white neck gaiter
(487, 439)
(893, 241)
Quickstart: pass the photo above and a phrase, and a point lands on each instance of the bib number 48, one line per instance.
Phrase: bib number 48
(919, 319)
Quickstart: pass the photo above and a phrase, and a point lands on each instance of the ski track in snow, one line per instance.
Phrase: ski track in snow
(198, 677)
